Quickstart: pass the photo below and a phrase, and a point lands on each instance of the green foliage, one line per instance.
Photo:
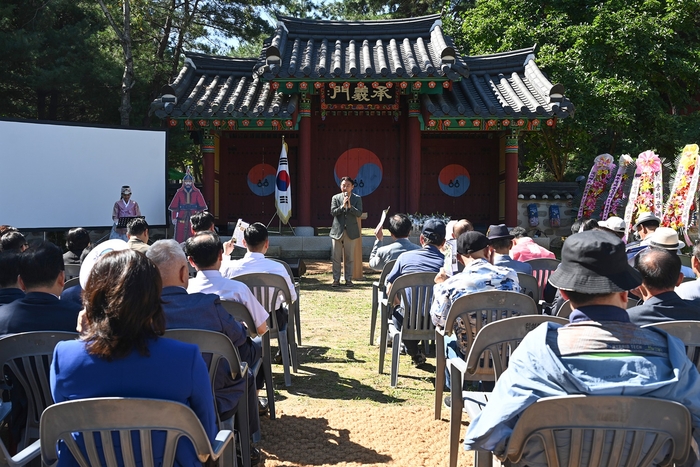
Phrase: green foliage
(53, 66)
(632, 68)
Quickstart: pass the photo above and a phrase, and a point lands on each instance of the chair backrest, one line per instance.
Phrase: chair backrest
(28, 357)
(529, 286)
(415, 291)
(688, 332)
(71, 270)
(213, 343)
(385, 272)
(482, 308)
(604, 430)
(565, 310)
(500, 338)
(115, 418)
(286, 266)
(240, 312)
(542, 268)
(266, 288)
(71, 283)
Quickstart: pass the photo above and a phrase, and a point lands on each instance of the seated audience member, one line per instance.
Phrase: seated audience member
(41, 277)
(121, 352)
(460, 227)
(400, 227)
(256, 240)
(666, 238)
(478, 275)
(691, 290)
(660, 270)
(204, 251)
(525, 248)
(9, 278)
(613, 224)
(202, 221)
(588, 224)
(78, 243)
(204, 311)
(13, 241)
(501, 241)
(7, 228)
(137, 232)
(428, 258)
(599, 353)
(645, 225)
(75, 293)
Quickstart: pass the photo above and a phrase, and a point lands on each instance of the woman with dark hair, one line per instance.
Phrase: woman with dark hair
(78, 243)
(121, 352)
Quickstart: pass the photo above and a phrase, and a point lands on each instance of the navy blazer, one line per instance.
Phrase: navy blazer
(204, 311)
(667, 306)
(38, 311)
(9, 295)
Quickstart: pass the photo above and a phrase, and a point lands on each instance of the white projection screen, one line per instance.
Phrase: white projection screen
(64, 176)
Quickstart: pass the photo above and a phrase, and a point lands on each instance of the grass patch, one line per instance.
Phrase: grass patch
(337, 363)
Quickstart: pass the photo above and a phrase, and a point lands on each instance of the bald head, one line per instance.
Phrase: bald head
(660, 269)
(460, 227)
(171, 262)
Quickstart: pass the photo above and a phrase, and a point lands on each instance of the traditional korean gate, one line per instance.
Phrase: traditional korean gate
(366, 148)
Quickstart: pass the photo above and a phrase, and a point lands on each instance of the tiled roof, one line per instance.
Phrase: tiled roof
(506, 84)
(211, 86)
(498, 86)
(410, 48)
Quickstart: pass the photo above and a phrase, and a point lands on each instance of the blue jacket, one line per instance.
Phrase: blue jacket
(204, 311)
(667, 306)
(9, 295)
(38, 311)
(538, 369)
(173, 371)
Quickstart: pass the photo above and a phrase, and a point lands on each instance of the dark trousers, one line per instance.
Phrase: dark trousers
(397, 318)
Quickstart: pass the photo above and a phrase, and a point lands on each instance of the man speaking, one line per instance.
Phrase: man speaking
(346, 207)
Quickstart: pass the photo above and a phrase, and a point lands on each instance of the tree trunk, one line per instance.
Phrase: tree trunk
(124, 37)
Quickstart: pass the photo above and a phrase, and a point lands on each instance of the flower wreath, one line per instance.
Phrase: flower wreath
(616, 193)
(682, 198)
(603, 165)
(647, 190)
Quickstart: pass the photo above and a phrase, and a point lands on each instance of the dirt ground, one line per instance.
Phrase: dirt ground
(339, 411)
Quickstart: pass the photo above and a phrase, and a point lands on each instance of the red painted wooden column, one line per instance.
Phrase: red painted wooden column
(208, 148)
(304, 168)
(414, 166)
(512, 180)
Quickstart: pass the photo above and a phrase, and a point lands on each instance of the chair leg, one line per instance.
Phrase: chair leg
(267, 365)
(455, 414)
(373, 319)
(291, 338)
(439, 373)
(297, 317)
(395, 353)
(383, 331)
(284, 350)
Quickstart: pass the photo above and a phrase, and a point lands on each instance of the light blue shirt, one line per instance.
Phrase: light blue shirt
(537, 369)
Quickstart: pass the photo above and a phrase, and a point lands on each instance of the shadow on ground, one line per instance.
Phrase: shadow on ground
(322, 383)
(315, 442)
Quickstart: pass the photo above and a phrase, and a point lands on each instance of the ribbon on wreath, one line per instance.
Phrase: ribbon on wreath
(616, 193)
(647, 190)
(682, 196)
(600, 173)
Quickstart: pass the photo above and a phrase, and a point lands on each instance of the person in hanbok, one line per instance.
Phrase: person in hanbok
(125, 207)
(188, 201)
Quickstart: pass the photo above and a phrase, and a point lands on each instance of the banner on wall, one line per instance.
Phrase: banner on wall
(283, 187)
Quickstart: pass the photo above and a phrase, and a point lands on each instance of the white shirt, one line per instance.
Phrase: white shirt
(214, 283)
(253, 263)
